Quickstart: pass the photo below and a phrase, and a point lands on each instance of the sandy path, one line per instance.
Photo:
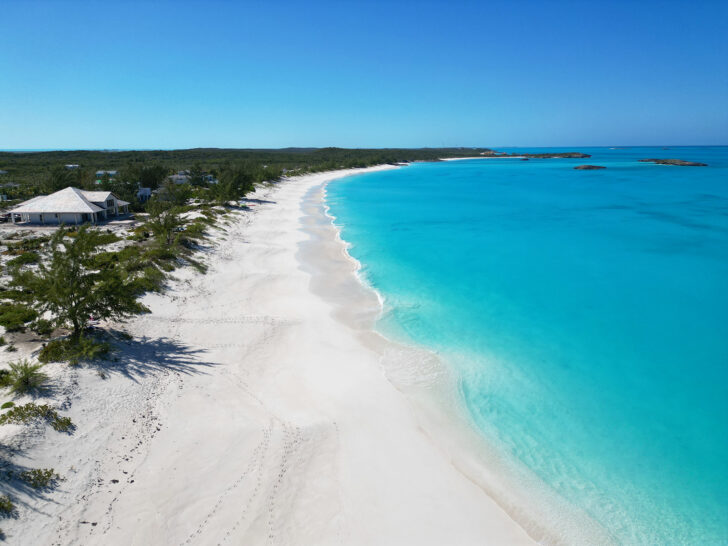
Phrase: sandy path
(251, 414)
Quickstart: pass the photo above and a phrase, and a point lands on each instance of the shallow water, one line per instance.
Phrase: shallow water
(584, 312)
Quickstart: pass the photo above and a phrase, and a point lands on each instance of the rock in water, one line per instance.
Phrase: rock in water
(589, 167)
(677, 162)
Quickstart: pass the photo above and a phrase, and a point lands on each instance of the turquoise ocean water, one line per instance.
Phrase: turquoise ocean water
(585, 314)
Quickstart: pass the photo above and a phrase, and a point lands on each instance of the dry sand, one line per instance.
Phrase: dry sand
(252, 407)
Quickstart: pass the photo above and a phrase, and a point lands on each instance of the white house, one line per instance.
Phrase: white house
(70, 206)
(144, 194)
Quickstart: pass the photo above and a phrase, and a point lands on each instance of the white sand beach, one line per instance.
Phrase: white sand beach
(251, 407)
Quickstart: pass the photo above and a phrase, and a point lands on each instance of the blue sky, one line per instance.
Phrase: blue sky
(124, 74)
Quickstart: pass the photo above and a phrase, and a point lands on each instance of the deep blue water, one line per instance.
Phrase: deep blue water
(585, 313)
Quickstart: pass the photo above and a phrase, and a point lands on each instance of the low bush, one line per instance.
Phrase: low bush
(26, 377)
(40, 478)
(29, 257)
(2, 341)
(14, 316)
(27, 413)
(42, 327)
(11, 348)
(151, 280)
(7, 405)
(74, 351)
(6, 506)
(5, 379)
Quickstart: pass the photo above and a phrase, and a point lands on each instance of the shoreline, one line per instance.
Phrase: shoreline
(431, 386)
(244, 409)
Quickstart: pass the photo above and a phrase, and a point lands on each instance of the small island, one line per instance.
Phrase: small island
(677, 162)
(589, 167)
(563, 155)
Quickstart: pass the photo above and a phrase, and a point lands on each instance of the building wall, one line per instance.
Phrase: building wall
(62, 218)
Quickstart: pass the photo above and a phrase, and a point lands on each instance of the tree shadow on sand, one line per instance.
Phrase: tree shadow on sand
(257, 201)
(139, 357)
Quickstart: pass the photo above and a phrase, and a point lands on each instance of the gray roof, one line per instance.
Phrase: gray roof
(68, 200)
(96, 196)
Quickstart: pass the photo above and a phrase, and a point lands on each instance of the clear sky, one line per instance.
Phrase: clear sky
(122, 74)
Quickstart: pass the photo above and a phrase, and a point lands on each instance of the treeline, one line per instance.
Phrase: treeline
(31, 169)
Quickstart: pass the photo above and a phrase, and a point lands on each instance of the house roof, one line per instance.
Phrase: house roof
(68, 200)
(96, 196)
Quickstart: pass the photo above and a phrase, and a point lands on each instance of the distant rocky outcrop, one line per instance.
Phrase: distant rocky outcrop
(677, 162)
(589, 167)
(563, 155)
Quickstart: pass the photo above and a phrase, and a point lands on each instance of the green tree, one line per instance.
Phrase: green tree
(235, 182)
(57, 179)
(73, 287)
(197, 175)
(147, 176)
(164, 222)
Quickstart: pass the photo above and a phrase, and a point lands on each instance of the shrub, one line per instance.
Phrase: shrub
(42, 327)
(11, 348)
(7, 405)
(27, 413)
(14, 316)
(5, 380)
(29, 257)
(151, 280)
(84, 348)
(6, 506)
(2, 341)
(26, 377)
(40, 478)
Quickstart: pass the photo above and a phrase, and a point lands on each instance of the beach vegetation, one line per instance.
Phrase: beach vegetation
(11, 348)
(7, 405)
(7, 507)
(81, 349)
(29, 413)
(71, 286)
(25, 258)
(5, 379)
(15, 316)
(42, 327)
(39, 478)
(25, 377)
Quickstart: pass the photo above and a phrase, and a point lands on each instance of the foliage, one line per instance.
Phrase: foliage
(11, 348)
(27, 413)
(26, 377)
(164, 222)
(72, 288)
(235, 182)
(30, 257)
(73, 350)
(7, 405)
(150, 168)
(40, 478)
(14, 316)
(58, 178)
(42, 327)
(6, 506)
(171, 194)
(5, 378)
